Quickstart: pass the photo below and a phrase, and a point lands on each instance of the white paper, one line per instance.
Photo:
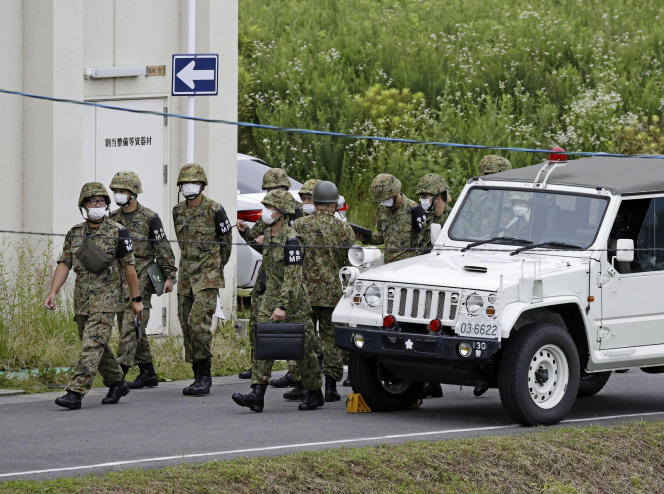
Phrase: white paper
(219, 313)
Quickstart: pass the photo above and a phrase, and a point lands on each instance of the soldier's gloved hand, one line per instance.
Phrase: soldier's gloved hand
(278, 314)
(168, 286)
(50, 301)
(242, 226)
(260, 239)
(137, 307)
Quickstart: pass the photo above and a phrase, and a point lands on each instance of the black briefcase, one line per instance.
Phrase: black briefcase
(279, 341)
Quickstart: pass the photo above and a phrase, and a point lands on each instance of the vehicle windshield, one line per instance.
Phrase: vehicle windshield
(533, 216)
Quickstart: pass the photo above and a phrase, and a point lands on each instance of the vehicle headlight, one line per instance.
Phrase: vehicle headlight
(492, 298)
(372, 295)
(474, 303)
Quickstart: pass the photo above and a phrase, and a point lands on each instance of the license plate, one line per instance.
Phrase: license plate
(477, 327)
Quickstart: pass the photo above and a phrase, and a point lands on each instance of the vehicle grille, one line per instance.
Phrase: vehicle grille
(421, 304)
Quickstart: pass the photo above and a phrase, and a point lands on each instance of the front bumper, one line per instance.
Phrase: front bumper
(412, 346)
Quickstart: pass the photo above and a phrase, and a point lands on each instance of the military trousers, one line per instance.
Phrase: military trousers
(195, 311)
(256, 298)
(131, 351)
(332, 356)
(308, 369)
(94, 330)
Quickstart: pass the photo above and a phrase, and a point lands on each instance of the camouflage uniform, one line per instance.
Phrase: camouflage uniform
(142, 224)
(97, 297)
(321, 273)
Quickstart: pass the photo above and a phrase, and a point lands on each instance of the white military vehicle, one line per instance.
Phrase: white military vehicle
(543, 280)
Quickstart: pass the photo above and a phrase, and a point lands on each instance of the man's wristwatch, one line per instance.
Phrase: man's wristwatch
(137, 299)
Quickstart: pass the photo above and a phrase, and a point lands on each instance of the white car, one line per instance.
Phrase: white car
(250, 171)
(534, 286)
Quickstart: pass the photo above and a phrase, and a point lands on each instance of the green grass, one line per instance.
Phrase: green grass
(520, 73)
(626, 458)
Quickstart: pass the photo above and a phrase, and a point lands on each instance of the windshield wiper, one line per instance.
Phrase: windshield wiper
(553, 243)
(496, 239)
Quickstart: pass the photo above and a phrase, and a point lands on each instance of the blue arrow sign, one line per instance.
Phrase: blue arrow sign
(195, 75)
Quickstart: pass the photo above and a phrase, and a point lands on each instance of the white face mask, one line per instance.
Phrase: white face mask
(97, 213)
(266, 216)
(121, 199)
(520, 210)
(308, 208)
(388, 203)
(191, 191)
(426, 203)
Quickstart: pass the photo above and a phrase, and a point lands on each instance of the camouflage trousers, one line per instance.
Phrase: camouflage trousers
(308, 369)
(195, 311)
(292, 364)
(130, 350)
(253, 318)
(94, 330)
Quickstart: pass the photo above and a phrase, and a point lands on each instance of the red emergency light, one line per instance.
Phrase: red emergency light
(558, 154)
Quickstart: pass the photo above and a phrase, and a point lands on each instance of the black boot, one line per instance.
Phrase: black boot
(285, 381)
(331, 393)
(71, 400)
(245, 374)
(313, 400)
(115, 392)
(431, 390)
(194, 367)
(203, 382)
(125, 369)
(298, 393)
(347, 382)
(480, 388)
(254, 400)
(147, 378)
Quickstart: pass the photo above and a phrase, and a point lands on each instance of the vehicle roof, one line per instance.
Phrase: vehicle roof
(622, 176)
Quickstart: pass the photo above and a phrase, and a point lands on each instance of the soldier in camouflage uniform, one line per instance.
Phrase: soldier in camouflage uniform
(519, 225)
(97, 250)
(321, 274)
(199, 222)
(399, 220)
(434, 197)
(492, 163)
(306, 195)
(285, 299)
(150, 246)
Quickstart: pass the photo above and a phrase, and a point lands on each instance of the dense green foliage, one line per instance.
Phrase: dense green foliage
(519, 73)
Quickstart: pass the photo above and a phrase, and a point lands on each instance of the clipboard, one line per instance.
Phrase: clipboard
(157, 278)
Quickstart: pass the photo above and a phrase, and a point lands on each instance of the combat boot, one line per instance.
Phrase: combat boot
(245, 374)
(115, 392)
(203, 382)
(431, 390)
(147, 377)
(285, 381)
(194, 367)
(313, 400)
(125, 369)
(71, 400)
(254, 400)
(331, 393)
(298, 393)
(480, 388)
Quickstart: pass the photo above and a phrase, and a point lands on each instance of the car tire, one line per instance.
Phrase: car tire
(539, 374)
(370, 379)
(592, 383)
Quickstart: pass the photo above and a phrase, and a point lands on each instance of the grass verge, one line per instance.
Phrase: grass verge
(625, 458)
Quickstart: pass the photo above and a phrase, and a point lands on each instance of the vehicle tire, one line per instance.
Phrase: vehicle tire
(539, 374)
(591, 384)
(381, 393)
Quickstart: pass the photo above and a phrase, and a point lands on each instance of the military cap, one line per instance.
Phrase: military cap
(326, 192)
(281, 200)
(127, 180)
(92, 189)
(275, 177)
(492, 163)
(192, 172)
(308, 186)
(431, 183)
(384, 186)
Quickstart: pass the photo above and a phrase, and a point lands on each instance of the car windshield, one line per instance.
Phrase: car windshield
(533, 216)
(250, 176)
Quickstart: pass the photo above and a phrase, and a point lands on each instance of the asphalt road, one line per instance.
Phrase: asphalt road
(160, 427)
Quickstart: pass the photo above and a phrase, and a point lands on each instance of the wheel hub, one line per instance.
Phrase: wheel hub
(541, 375)
(548, 374)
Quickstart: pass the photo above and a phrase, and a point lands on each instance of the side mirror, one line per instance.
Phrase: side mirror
(625, 250)
(435, 232)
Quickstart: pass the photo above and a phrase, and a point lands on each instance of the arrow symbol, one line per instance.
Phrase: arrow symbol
(188, 75)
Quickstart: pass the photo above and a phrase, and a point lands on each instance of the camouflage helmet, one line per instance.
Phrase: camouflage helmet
(93, 189)
(431, 183)
(192, 172)
(308, 186)
(492, 163)
(281, 200)
(326, 192)
(275, 177)
(384, 186)
(127, 180)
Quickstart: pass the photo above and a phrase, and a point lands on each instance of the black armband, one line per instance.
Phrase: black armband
(419, 217)
(221, 222)
(293, 253)
(125, 245)
(156, 229)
